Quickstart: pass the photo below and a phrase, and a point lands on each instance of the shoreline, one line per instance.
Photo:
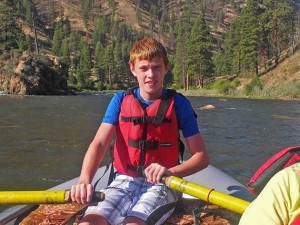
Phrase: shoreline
(195, 93)
(215, 95)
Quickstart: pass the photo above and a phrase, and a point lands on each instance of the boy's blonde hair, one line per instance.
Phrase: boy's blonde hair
(147, 49)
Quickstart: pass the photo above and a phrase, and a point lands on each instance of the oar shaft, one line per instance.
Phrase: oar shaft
(32, 197)
(40, 197)
(210, 195)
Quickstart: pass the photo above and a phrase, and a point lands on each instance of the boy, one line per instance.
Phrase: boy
(146, 122)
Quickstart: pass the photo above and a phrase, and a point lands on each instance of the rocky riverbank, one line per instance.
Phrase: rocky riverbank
(29, 74)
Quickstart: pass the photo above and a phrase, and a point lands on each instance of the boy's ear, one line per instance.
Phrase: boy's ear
(132, 69)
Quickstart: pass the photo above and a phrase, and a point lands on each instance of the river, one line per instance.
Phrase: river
(44, 138)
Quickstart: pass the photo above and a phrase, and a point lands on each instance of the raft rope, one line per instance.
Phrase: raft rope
(211, 190)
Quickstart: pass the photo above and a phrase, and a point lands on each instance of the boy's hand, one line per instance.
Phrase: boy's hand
(154, 173)
(82, 193)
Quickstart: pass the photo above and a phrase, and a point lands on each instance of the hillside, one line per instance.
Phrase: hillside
(283, 82)
(282, 78)
(92, 38)
(218, 15)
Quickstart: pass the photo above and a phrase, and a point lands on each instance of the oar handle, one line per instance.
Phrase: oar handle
(206, 194)
(98, 196)
(41, 197)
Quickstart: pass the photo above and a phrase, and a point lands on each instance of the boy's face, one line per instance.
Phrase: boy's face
(150, 75)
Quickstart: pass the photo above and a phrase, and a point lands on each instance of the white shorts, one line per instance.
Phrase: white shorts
(135, 197)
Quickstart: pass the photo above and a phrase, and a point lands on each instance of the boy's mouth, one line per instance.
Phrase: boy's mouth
(151, 82)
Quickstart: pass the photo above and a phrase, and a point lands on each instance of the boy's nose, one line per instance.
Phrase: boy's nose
(150, 73)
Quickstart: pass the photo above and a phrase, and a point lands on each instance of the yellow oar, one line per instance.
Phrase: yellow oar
(210, 195)
(41, 197)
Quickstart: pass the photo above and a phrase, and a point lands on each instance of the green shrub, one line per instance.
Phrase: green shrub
(296, 89)
(224, 86)
(100, 86)
(254, 84)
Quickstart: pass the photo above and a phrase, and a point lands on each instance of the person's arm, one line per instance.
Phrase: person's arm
(199, 157)
(198, 161)
(274, 205)
(82, 192)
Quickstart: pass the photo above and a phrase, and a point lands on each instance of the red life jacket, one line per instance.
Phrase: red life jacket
(277, 162)
(296, 221)
(146, 135)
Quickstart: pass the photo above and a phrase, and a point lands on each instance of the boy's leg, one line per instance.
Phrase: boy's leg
(93, 219)
(134, 221)
(155, 205)
(118, 199)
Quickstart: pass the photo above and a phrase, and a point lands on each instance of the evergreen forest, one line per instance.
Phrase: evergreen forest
(206, 39)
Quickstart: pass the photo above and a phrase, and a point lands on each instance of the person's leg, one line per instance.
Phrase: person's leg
(93, 219)
(113, 210)
(134, 221)
(155, 205)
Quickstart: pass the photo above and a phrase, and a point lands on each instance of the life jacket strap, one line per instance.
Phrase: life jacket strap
(144, 144)
(163, 107)
(143, 119)
(138, 169)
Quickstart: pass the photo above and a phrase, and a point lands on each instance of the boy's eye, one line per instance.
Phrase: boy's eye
(143, 68)
(156, 67)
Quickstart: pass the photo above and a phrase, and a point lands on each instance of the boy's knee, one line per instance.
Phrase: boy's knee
(134, 221)
(93, 219)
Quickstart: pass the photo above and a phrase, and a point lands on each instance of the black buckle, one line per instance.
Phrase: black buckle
(145, 145)
(140, 171)
(142, 144)
(139, 120)
(135, 121)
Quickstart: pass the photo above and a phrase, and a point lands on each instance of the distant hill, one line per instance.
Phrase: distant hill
(283, 78)
(92, 38)
(218, 14)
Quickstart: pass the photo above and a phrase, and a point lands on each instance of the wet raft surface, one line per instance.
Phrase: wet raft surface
(57, 214)
(204, 214)
(185, 214)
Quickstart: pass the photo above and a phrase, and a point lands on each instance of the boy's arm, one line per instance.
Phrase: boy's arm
(82, 192)
(198, 161)
(199, 157)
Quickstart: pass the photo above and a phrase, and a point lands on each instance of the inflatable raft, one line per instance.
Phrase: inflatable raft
(210, 186)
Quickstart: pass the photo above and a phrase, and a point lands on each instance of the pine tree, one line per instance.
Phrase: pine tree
(138, 15)
(11, 34)
(153, 16)
(118, 62)
(279, 22)
(65, 52)
(179, 69)
(101, 29)
(28, 12)
(57, 41)
(84, 66)
(74, 41)
(232, 49)
(108, 62)
(180, 64)
(126, 73)
(199, 49)
(250, 36)
(86, 6)
(99, 66)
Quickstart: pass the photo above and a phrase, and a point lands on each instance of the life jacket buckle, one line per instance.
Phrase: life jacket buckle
(141, 171)
(142, 144)
(136, 121)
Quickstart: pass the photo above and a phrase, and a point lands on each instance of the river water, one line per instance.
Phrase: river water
(43, 138)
